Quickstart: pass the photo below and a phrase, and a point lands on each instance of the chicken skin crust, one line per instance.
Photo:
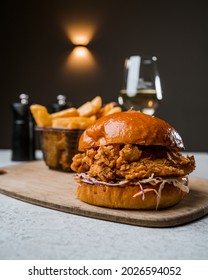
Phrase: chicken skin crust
(113, 162)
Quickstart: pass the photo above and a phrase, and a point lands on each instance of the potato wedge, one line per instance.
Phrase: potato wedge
(86, 109)
(91, 107)
(96, 104)
(41, 115)
(113, 110)
(60, 122)
(80, 122)
(73, 122)
(71, 112)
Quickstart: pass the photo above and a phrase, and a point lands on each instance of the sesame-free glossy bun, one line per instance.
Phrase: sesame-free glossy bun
(131, 127)
(123, 197)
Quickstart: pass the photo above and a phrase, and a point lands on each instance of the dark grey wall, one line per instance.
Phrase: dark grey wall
(35, 48)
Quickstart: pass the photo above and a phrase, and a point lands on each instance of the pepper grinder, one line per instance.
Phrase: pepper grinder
(23, 135)
(61, 104)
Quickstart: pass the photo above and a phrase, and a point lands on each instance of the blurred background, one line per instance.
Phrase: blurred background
(38, 40)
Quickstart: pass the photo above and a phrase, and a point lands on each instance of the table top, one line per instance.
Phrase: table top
(32, 232)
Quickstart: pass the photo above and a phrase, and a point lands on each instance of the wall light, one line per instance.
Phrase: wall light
(80, 58)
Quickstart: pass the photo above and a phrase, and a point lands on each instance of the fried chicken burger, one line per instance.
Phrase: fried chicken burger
(131, 160)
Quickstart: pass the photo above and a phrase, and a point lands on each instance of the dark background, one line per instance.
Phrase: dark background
(35, 48)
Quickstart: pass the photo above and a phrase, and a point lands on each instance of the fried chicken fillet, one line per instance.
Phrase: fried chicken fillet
(116, 161)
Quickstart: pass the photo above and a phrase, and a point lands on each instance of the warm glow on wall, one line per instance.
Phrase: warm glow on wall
(80, 33)
(81, 59)
(80, 52)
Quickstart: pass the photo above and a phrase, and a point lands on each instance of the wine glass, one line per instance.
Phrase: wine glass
(141, 88)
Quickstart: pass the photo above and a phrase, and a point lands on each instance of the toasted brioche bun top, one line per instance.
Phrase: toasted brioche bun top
(131, 127)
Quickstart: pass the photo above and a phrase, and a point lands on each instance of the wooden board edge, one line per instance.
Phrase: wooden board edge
(110, 217)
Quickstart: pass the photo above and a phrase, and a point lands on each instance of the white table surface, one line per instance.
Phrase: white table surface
(28, 231)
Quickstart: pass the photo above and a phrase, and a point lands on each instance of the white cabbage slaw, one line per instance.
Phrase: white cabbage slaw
(179, 182)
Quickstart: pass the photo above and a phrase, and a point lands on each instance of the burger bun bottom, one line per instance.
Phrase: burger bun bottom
(123, 197)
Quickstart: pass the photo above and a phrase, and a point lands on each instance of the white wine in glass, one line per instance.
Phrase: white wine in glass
(142, 88)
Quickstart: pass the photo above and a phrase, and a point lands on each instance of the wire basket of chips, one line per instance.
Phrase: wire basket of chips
(60, 132)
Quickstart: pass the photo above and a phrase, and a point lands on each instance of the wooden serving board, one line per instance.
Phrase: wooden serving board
(35, 183)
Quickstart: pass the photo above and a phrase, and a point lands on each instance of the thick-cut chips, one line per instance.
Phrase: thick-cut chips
(73, 122)
(91, 107)
(71, 112)
(73, 118)
(85, 110)
(108, 109)
(96, 104)
(113, 110)
(41, 115)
